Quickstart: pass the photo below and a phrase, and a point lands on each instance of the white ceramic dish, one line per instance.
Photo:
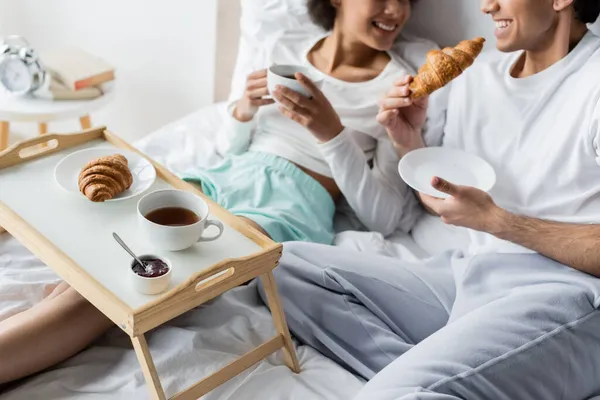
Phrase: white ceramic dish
(276, 75)
(153, 285)
(418, 167)
(67, 171)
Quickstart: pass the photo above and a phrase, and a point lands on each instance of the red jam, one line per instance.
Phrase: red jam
(153, 268)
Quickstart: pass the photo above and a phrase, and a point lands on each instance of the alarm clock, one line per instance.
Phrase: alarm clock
(21, 71)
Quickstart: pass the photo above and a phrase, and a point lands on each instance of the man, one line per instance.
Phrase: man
(516, 317)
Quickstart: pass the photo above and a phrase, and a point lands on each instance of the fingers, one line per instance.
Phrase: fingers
(390, 103)
(421, 102)
(308, 85)
(444, 186)
(385, 117)
(405, 80)
(262, 102)
(258, 74)
(399, 91)
(434, 203)
(293, 115)
(258, 93)
(256, 84)
(292, 99)
(396, 97)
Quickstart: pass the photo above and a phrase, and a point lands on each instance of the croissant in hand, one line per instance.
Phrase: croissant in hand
(105, 177)
(443, 66)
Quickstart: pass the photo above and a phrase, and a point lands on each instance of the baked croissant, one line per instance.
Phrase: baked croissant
(443, 66)
(105, 177)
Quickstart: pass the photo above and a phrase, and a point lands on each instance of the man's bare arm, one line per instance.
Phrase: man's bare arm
(577, 246)
(574, 245)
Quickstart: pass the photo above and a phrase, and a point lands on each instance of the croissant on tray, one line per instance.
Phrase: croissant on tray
(442, 66)
(105, 177)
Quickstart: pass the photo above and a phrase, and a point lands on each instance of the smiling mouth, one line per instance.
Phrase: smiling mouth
(385, 27)
(503, 23)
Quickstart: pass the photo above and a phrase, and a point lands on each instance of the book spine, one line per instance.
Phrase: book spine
(94, 81)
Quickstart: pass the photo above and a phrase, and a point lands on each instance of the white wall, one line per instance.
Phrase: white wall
(163, 51)
(9, 16)
(447, 22)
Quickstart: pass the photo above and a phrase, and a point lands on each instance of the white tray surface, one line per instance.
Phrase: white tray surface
(83, 230)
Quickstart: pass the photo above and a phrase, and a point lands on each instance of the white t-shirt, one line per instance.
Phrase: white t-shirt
(540, 133)
(377, 194)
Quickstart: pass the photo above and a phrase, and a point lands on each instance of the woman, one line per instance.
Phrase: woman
(286, 178)
(287, 165)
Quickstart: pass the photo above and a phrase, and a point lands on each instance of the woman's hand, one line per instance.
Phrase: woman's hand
(315, 114)
(402, 116)
(256, 88)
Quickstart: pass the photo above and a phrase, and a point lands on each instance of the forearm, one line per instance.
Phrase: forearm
(577, 246)
(379, 205)
(234, 136)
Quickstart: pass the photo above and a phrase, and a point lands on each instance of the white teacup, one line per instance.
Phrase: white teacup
(283, 75)
(165, 236)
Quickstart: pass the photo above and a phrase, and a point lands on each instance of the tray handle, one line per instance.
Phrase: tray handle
(51, 143)
(229, 270)
(215, 279)
(207, 284)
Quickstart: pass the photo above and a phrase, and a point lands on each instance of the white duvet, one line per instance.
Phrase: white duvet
(197, 343)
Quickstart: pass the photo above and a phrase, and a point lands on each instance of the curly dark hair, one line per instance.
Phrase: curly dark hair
(323, 13)
(587, 10)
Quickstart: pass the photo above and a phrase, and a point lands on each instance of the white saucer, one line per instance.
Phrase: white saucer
(418, 167)
(67, 171)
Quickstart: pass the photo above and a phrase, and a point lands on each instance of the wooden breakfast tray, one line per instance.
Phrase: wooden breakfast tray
(73, 236)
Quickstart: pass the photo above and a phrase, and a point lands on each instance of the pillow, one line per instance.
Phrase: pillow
(595, 27)
(262, 23)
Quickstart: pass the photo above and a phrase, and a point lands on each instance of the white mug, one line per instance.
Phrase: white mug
(276, 75)
(176, 238)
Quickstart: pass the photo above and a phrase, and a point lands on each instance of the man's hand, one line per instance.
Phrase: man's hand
(575, 245)
(467, 206)
(402, 117)
(315, 114)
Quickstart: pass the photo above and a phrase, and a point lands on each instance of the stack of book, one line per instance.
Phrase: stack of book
(75, 74)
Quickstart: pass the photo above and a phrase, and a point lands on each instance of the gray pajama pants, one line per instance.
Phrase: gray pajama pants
(497, 326)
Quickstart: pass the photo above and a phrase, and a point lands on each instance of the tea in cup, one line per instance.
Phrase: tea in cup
(175, 220)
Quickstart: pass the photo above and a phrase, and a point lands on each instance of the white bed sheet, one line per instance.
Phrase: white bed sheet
(185, 350)
(196, 343)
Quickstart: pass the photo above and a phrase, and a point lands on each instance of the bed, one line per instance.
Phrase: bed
(198, 342)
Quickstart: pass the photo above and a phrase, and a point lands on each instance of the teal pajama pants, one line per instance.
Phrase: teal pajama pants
(287, 203)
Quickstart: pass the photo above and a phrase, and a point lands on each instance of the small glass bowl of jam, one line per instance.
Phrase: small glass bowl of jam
(154, 276)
